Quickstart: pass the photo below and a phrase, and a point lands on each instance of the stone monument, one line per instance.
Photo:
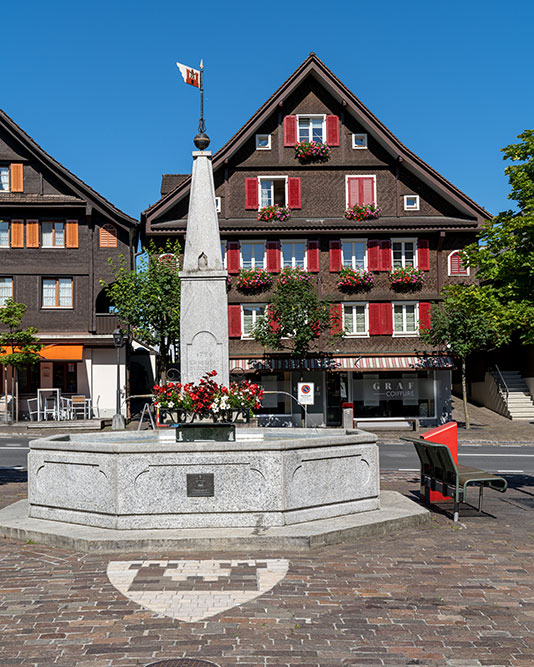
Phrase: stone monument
(204, 309)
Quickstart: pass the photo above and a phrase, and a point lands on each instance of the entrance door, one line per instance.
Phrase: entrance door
(336, 394)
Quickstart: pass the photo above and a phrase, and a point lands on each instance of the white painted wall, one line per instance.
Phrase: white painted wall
(99, 370)
(487, 394)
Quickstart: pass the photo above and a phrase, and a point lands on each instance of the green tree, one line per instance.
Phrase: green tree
(295, 317)
(465, 322)
(18, 347)
(504, 252)
(148, 299)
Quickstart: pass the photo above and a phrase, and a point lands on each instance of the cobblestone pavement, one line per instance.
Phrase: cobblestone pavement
(447, 595)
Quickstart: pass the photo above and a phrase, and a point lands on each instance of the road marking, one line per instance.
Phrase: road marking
(15, 447)
(526, 456)
(510, 471)
(409, 469)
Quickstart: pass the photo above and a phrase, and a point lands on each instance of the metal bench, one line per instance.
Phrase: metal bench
(440, 473)
(386, 423)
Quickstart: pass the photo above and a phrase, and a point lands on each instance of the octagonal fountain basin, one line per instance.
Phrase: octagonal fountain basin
(267, 477)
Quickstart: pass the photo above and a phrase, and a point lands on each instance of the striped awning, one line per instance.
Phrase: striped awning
(354, 363)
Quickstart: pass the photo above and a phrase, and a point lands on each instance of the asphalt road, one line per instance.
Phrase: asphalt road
(399, 456)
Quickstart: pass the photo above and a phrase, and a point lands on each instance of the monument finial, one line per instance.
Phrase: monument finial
(201, 141)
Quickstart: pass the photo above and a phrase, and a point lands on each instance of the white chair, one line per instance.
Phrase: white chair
(33, 412)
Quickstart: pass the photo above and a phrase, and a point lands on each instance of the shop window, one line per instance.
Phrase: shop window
(6, 290)
(356, 319)
(57, 293)
(251, 314)
(29, 379)
(404, 253)
(252, 255)
(273, 191)
(355, 254)
(394, 394)
(311, 128)
(294, 254)
(405, 319)
(65, 376)
(4, 234)
(53, 234)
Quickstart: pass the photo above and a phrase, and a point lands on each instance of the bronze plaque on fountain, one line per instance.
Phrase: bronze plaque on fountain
(200, 485)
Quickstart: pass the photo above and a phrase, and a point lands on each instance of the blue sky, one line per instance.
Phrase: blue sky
(96, 85)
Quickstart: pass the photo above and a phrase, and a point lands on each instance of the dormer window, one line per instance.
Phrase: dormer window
(4, 179)
(263, 142)
(311, 128)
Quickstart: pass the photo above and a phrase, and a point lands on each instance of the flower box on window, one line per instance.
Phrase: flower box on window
(272, 213)
(407, 277)
(312, 151)
(361, 212)
(351, 280)
(254, 280)
(293, 275)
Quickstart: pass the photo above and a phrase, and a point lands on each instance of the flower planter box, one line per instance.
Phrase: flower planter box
(406, 279)
(274, 213)
(360, 212)
(312, 151)
(353, 280)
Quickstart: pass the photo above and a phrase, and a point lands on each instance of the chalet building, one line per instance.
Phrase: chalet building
(381, 365)
(56, 234)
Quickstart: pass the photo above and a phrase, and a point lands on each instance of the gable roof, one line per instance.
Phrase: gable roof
(78, 189)
(313, 66)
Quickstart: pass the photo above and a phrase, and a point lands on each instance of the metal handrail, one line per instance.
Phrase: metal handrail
(502, 381)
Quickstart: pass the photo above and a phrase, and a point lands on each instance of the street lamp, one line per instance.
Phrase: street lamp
(119, 339)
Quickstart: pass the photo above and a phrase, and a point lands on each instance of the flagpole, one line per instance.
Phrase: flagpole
(201, 124)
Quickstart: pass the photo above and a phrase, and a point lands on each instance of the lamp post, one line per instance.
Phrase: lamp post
(118, 423)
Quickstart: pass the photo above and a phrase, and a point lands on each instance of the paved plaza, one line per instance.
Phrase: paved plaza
(459, 595)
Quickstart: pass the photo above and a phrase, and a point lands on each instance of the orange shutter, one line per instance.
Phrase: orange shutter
(32, 233)
(17, 178)
(17, 233)
(108, 236)
(72, 233)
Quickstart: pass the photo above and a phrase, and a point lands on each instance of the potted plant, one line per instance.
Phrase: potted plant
(312, 151)
(274, 213)
(254, 280)
(407, 278)
(351, 279)
(361, 212)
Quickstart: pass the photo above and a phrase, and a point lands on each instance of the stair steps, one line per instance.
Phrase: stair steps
(519, 402)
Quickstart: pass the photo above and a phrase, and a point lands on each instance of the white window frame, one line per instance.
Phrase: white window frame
(457, 275)
(218, 204)
(271, 178)
(223, 253)
(257, 242)
(373, 176)
(358, 240)
(355, 146)
(293, 265)
(7, 222)
(58, 307)
(54, 222)
(263, 148)
(7, 279)
(8, 169)
(255, 317)
(365, 304)
(404, 241)
(415, 207)
(404, 333)
(322, 116)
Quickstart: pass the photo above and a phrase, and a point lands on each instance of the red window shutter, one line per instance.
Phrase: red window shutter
(251, 193)
(354, 191)
(375, 324)
(373, 255)
(274, 322)
(71, 233)
(367, 190)
(336, 318)
(387, 319)
(293, 192)
(424, 315)
(233, 256)
(336, 258)
(312, 257)
(457, 267)
(423, 255)
(273, 256)
(290, 130)
(234, 320)
(385, 256)
(332, 130)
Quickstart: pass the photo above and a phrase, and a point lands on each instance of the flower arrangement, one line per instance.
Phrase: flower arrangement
(208, 398)
(407, 277)
(312, 151)
(361, 212)
(352, 279)
(254, 280)
(293, 275)
(274, 213)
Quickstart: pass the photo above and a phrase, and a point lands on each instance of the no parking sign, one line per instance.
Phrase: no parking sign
(306, 393)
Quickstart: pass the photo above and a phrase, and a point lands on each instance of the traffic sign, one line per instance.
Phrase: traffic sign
(306, 393)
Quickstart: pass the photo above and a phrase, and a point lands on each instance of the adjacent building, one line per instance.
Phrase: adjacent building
(56, 235)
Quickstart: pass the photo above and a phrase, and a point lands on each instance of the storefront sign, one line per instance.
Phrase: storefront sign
(375, 390)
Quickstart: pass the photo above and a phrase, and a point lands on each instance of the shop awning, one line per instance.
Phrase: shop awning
(354, 363)
(62, 352)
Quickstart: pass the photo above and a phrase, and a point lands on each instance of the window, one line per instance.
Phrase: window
(456, 266)
(251, 316)
(263, 142)
(4, 234)
(356, 319)
(404, 253)
(294, 254)
(273, 191)
(6, 290)
(4, 179)
(405, 319)
(411, 202)
(107, 236)
(311, 128)
(218, 204)
(359, 141)
(361, 190)
(57, 292)
(252, 255)
(223, 253)
(53, 234)
(354, 254)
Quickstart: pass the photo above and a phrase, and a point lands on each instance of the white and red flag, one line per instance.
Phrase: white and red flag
(190, 75)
